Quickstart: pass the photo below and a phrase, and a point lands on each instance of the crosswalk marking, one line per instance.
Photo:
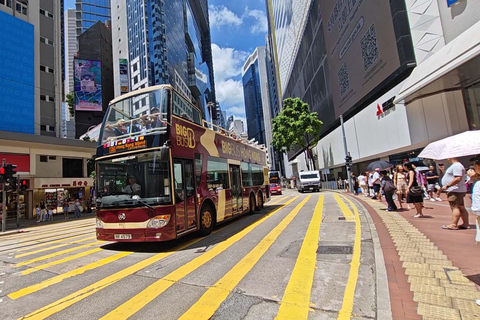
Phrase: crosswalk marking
(53, 247)
(63, 276)
(347, 213)
(206, 306)
(347, 306)
(57, 262)
(52, 255)
(139, 301)
(73, 298)
(36, 243)
(296, 300)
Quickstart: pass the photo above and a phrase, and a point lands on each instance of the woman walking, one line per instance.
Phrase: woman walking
(362, 180)
(414, 191)
(400, 182)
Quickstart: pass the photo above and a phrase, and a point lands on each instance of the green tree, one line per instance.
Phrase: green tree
(70, 99)
(296, 126)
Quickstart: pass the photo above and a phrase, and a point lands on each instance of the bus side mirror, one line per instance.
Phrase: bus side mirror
(164, 153)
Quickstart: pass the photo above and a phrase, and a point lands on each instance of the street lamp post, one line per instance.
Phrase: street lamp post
(347, 156)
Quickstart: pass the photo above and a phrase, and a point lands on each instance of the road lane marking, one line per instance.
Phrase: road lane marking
(147, 295)
(53, 247)
(79, 295)
(348, 298)
(66, 259)
(206, 306)
(63, 276)
(57, 240)
(347, 213)
(52, 255)
(295, 303)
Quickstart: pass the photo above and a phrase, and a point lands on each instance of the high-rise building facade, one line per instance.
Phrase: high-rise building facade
(257, 99)
(162, 50)
(88, 12)
(71, 47)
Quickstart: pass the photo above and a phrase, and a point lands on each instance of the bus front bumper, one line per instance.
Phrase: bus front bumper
(135, 235)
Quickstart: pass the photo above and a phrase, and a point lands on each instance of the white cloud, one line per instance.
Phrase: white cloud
(237, 111)
(222, 16)
(260, 18)
(229, 93)
(227, 62)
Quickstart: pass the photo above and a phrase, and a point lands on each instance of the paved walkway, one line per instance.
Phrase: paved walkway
(432, 272)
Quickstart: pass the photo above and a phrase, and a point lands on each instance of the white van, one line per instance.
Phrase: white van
(309, 181)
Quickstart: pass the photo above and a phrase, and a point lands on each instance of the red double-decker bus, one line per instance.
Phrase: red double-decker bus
(163, 172)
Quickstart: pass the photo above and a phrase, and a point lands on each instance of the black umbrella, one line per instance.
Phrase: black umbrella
(380, 164)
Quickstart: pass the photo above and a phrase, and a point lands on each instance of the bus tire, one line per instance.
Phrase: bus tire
(259, 202)
(207, 220)
(252, 206)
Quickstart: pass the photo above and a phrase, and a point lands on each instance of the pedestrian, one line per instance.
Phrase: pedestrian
(376, 185)
(50, 214)
(37, 213)
(400, 182)
(362, 181)
(433, 187)
(370, 184)
(77, 209)
(65, 209)
(414, 190)
(453, 182)
(389, 190)
(474, 178)
(354, 182)
(43, 211)
(340, 183)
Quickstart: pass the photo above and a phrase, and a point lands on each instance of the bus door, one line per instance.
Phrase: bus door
(184, 192)
(236, 180)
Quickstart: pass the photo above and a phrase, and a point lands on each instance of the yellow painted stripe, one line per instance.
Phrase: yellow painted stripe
(347, 213)
(295, 303)
(63, 276)
(278, 200)
(206, 306)
(139, 301)
(54, 263)
(73, 298)
(347, 306)
(48, 242)
(53, 255)
(53, 247)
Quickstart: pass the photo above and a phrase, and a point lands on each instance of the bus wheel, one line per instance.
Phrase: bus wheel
(206, 220)
(259, 201)
(252, 204)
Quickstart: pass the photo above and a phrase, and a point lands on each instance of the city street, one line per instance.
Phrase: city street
(311, 255)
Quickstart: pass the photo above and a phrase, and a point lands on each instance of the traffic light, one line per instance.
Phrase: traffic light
(348, 161)
(10, 170)
(24, 185)
(2, 174)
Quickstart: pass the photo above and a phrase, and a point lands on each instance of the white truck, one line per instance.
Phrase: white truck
(309, 181)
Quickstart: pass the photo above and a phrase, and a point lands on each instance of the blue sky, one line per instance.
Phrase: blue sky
(237, 28)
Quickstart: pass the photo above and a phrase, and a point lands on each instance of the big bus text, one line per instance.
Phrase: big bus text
(161, 173)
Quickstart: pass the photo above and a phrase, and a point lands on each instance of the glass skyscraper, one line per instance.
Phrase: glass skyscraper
(91, 11)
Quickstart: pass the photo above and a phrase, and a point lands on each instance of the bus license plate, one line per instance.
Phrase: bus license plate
(122, 236)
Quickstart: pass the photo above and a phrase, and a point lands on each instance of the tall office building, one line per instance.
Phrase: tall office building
(89, 12)
(257, 99)
(162, 50)
(71, 47)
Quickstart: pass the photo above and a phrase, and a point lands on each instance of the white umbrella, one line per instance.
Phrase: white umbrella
(459, 145)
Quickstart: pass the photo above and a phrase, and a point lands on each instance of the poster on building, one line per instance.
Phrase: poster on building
(88, 85)
(123, 76)
(361, 47)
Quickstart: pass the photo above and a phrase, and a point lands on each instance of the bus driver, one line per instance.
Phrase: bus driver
(133, 187)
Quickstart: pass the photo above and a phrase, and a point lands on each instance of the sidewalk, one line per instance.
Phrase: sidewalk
(431, 271)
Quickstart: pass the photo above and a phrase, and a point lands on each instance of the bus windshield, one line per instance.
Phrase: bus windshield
(137, 115)
(134, 180)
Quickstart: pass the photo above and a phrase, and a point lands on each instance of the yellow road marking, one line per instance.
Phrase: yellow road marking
(52, 255)
(48, 242)
(206, 306)
(347, 213)
(140, 300)
(61, 277)
(53, 247)
(54, 263)
(347, 306)
(278, 200)
(296, 300)
(73, 298)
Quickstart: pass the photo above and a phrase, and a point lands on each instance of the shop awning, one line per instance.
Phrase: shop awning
(455, 66)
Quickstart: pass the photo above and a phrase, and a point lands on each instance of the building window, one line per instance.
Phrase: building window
(45, 97)
(46, 69)
(46, 41)
(7, 3)
(46, 13)
(43, 158)
(22, 6)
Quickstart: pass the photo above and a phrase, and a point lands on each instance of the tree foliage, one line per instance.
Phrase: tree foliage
(296, 126)
(70, 99)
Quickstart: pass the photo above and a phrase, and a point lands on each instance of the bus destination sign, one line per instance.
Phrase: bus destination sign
(125, 145)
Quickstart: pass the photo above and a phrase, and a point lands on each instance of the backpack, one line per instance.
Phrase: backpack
(389, 186)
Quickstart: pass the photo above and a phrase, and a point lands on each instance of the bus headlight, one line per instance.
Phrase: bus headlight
(159, 221)
(99, 223)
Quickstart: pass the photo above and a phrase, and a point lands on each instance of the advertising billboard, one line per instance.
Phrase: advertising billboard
(123, 76)
(361, 48)
(88, 85)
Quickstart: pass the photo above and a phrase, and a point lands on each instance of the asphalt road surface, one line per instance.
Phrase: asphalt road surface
(304, 256)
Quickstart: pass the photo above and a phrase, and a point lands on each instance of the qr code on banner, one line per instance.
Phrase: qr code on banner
(343, 79)
(369, 46)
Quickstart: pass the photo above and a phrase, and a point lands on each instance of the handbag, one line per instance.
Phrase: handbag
(416, 191)
(389, 186)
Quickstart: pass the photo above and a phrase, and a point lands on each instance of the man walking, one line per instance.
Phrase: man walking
(432, 184)
(454, 183)
(376, 185)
